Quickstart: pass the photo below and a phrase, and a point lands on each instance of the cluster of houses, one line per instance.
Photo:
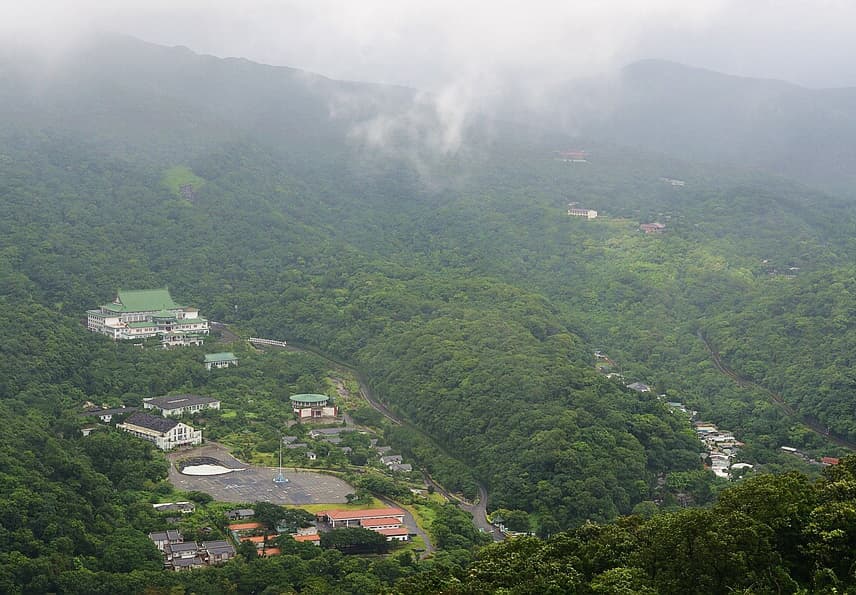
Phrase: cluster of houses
(389, 522)
(265, 542)
(721, 446)
(184, 555)
(333, 436)
(722, 449)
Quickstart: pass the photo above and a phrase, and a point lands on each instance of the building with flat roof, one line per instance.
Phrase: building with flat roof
(354, 518)
(312, 406)
(175, 405)
(146, 313)
(220, 360)
(165, 433)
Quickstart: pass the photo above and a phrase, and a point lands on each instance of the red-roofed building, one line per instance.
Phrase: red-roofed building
(383, 523)
(829, 460)
(240, 527)
(316, 539)
(396, 534)
(353, 518)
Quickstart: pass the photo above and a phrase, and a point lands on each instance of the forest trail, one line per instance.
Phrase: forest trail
(808, 421)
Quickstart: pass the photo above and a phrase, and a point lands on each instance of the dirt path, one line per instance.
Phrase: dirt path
(808, 421)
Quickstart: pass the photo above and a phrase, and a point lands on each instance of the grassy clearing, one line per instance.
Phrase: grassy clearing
(175, 177)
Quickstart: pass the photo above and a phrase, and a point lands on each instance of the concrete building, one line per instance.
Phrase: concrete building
(354, 518)
(312, 406)
(220, 360)
(176, 405)
(141, 314)
(586, 213)
(165, 433)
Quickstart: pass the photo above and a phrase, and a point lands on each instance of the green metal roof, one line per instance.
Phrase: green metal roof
(163, 314)
(309, 398)
(226, 356)
(143, 300)
(199, 320)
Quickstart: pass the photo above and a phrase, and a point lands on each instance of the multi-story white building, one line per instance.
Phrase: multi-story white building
(165, 433)
(145, 313)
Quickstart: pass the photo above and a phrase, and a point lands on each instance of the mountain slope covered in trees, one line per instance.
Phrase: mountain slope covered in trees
(327, 213)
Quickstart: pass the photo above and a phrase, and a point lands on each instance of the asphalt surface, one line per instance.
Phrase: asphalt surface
(252, 484)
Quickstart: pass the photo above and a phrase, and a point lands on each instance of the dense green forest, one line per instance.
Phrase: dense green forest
(460, 288)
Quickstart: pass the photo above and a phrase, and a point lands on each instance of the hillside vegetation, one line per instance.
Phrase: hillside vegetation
(453, 280)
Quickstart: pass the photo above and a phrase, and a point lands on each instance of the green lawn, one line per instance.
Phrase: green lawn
(175, 177)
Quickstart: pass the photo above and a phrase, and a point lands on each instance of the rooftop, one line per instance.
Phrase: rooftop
(244, 526)
(178, 401)
(143, 300)
(341, 515)
(151, 422)
(394, 531)
(114, 411)
(309, 398)
(226, 356)
(379, 522)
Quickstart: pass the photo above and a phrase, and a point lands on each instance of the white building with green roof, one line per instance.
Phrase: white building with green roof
(220, 360)
(145, 313)
(312, 406)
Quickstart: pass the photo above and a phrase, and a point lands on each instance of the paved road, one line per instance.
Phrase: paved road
(808, 421)
(250, 484)
(477, 510)
(413, 526)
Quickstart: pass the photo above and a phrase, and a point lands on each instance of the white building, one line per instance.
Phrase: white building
(176, 405)
(146, 313)
(220, 360)
(587, 213)
(165, 433)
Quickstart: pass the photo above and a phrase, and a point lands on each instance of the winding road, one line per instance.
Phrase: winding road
(478, 509)
(808, 421)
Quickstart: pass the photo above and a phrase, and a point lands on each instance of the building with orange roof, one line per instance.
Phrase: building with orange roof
(353, 518)
(245, 526)
(315, 538)
(381, 523)
(395, 534)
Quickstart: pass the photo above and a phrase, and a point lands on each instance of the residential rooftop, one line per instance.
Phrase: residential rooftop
(152, 422)
(179, 401)
(225, 356)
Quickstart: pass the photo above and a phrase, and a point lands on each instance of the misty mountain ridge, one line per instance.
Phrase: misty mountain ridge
(125, 94)
(697, 114)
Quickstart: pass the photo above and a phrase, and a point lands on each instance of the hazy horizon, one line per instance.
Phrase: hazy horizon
(487, 46)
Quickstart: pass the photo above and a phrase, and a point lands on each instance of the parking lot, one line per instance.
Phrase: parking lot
(251, 484)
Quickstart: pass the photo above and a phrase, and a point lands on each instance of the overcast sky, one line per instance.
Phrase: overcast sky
(432, 43)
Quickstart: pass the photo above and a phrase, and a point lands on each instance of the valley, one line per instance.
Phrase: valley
(449, 303)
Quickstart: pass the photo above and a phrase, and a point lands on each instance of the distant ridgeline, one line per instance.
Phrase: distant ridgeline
(457, 283)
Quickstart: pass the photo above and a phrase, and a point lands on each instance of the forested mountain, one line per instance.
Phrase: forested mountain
(342, 216)
(697, 114)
